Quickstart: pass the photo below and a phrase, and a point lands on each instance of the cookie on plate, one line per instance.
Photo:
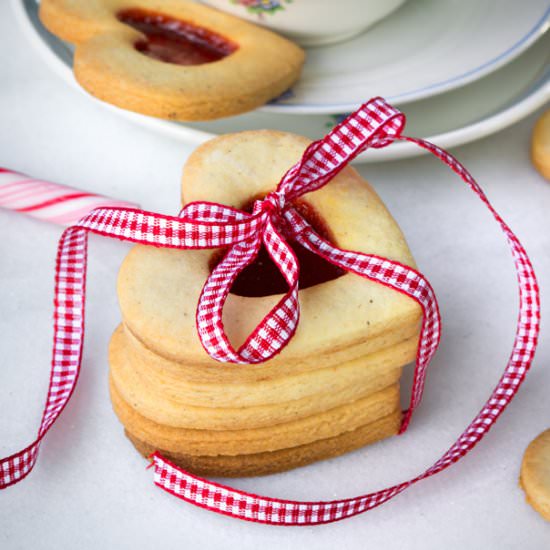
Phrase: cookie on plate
(172, 59)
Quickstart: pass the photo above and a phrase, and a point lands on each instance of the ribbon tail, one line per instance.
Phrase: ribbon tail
(150, 228)
(374, 124)
(70, 288)
(401, 278)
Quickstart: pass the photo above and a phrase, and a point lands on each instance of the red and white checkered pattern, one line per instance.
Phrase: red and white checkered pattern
(207, 225)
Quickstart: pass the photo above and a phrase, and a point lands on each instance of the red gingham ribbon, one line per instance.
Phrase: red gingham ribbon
(207, 225)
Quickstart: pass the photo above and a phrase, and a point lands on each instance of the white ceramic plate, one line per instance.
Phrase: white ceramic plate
(449, 119)
(423, 49)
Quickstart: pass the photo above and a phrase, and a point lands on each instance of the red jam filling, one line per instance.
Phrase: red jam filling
(262, 278)
(174, 41)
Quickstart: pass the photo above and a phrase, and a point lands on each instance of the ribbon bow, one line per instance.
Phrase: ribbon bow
(375, 124)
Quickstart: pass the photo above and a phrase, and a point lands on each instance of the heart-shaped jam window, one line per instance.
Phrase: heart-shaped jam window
(263, 278)
(174, 41)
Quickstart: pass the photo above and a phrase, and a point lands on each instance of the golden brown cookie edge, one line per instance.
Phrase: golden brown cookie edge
(282, 460)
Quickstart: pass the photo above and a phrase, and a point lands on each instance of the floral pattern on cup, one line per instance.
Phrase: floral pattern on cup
(259, 7)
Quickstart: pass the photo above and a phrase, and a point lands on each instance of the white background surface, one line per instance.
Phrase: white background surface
(90, 489)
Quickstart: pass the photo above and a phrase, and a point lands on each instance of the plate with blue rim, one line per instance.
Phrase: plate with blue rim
(425, 48)
(451, 118)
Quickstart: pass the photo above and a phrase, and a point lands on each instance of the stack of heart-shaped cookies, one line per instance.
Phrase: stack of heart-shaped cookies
(334, 388)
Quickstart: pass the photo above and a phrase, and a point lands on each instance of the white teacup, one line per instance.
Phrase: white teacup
(311, 22)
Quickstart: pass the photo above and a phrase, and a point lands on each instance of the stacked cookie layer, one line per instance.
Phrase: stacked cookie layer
(334, 388)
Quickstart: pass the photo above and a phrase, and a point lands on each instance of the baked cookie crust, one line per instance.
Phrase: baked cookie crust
(281, 460)
(108, 65)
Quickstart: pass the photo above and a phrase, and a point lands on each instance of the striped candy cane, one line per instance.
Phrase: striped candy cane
(52, 202)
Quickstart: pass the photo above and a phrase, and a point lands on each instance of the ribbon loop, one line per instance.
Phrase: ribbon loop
(375, 123)
(277, 327)
(213, 296)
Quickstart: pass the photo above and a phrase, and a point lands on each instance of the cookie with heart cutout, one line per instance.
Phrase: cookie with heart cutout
(339, 313)
(176, 402)
(304, 409)
(172, 59)
(159, 288)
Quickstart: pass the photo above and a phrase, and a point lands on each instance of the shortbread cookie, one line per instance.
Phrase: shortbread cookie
(535, 474)
(248, 441)
(540, 145)
(167, 379)
(281, 460)
(161, 408)
(172, 59)
(159, 289)
(334, 387)
(394, 345)
(208, 372)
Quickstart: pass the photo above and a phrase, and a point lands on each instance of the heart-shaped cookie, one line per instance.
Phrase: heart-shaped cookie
(172, 58)
(341, 369)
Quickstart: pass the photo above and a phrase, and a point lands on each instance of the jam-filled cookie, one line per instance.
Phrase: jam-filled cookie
(333, 388)
(172, 59)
